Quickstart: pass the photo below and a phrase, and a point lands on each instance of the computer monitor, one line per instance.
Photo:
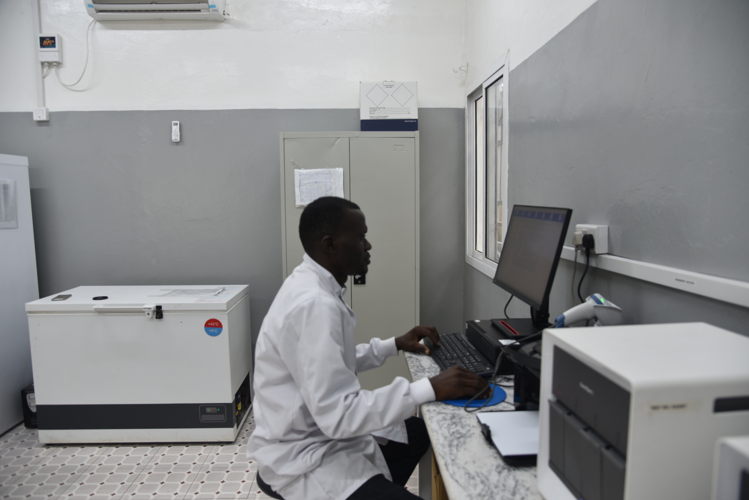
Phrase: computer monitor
(528, 263)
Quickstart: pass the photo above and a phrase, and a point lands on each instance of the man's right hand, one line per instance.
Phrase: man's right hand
(456, 383)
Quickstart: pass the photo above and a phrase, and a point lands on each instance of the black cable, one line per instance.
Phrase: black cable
(486, 400)
(585, 271)
(488, 386)
(574, 273)
(507, 304)
(528, 338)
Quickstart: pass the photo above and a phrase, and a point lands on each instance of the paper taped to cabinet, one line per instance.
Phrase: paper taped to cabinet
(311, 184)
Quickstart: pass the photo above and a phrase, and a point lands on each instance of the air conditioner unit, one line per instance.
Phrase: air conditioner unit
(139, 10)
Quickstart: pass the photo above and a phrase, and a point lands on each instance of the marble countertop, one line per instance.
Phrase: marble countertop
(470, 467)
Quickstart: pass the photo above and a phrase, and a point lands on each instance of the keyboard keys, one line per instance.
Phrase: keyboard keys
(455, 349)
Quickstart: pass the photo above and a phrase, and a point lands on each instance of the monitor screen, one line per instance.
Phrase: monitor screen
(530, 252)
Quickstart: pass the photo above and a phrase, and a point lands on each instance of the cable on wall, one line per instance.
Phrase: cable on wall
(56, 66)
(574, 273)
(588, 245)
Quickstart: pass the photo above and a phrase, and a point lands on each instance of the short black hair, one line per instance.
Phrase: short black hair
(322, 216)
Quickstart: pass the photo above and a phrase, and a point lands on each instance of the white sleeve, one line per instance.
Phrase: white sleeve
(330, 389)
(374, 354)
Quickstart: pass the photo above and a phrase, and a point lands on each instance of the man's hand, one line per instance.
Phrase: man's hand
(457, 383)
(410, 341)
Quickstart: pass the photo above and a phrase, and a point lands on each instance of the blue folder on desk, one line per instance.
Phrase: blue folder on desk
(513, 433)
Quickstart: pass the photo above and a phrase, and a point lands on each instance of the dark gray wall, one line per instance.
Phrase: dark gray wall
(635, 116)
(442, 205)
(115, 202)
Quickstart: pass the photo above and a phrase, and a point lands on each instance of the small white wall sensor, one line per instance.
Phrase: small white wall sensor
(175, 132)
(49, 48)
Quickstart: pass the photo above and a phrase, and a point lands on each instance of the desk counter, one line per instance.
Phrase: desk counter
(470, 467)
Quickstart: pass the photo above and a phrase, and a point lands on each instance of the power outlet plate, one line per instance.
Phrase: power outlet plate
(600, 236)
(41, 114)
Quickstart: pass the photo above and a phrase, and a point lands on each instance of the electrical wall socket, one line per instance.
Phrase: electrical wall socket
(41, 114)
(600, 236)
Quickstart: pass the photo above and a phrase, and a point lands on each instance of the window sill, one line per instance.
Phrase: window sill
(482, 264)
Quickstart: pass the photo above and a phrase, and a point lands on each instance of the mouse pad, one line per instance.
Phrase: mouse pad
(498, 395)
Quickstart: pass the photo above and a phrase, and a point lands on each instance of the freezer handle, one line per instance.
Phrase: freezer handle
(151, 311)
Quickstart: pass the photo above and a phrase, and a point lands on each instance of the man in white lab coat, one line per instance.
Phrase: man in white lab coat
(318, 434)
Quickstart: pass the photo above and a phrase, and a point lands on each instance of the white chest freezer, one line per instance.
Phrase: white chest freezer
(141, 363)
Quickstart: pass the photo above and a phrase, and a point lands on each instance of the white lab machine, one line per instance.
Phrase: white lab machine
(634, 412)
(141, 363)
(731, 474)
(18, 285)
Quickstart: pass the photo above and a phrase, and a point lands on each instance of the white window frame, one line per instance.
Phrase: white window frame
(477, 259)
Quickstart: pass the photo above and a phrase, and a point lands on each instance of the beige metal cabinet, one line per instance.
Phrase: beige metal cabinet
(380, 174)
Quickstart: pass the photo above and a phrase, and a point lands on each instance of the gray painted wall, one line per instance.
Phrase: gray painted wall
(115, 202)
(635, 116)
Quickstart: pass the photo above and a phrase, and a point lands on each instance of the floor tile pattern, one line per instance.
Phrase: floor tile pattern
(31, 471)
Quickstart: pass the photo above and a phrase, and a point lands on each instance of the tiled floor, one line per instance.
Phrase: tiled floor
(29, 470)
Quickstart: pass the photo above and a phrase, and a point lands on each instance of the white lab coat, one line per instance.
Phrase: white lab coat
(314, 424)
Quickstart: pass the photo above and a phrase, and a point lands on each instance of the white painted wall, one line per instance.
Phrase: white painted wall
(268, 54)
(17, 91)
(276, 53)
(495, 26)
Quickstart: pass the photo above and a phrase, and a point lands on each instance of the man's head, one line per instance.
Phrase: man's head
(333, 232)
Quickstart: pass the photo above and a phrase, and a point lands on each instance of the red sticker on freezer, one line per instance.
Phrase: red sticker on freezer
(213, 327)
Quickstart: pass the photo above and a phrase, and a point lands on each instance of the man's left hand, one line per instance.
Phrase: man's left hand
(410, 341)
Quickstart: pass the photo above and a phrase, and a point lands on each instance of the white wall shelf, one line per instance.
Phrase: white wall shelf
(714, 287)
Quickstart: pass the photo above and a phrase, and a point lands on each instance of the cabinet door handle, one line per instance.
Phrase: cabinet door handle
(150, 311)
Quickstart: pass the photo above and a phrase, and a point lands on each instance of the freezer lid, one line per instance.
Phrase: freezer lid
(169, 297)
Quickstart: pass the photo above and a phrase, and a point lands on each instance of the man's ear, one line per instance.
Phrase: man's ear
(327, 243)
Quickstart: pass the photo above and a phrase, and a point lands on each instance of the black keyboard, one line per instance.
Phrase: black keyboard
(456, 349)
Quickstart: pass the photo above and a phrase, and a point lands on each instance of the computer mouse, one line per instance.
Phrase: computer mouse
(430, 345)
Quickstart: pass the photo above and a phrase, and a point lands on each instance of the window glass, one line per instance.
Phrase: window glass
(493, 186)
(480, 175)
(486, 172)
